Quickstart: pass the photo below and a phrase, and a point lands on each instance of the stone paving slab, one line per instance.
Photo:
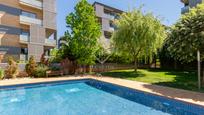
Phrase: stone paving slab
(178, 94)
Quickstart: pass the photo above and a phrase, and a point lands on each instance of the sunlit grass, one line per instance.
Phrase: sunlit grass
(177, 79)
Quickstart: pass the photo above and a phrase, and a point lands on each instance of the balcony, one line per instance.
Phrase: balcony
(185, 1)
(23, 57)
(111, 29)
(50, 42)
(107, 40)
(24, 38)
(185, 9)
(108, 16)
(28, 20)
(32, 3)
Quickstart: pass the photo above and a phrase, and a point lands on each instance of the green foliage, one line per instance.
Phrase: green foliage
(31, 66)
(1, 73)
(40, 71)
(81, 42)
(12, 68)
(138, 35)
(119, 58)
(108, 56)
(187, 35)
(55, 56)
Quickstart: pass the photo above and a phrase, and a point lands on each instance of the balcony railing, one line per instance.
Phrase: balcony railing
(32, 3)
(108, 16)
(50, 42)
(111, 29)
(23, 57)
(185, 9)
(107, 40)
(28, 20)
(24, 38)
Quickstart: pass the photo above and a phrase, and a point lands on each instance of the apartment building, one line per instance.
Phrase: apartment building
(27, 28)
(106, 15)
(189, 4)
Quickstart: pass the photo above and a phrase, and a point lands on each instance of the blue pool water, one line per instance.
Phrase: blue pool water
(87, 97)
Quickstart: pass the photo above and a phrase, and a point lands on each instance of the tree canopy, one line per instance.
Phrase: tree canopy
(138, 35)
(81, 40)
(187, 35)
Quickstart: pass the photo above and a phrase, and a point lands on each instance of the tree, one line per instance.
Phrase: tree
(31, 66)
(138, 35)
(187, 37)
(81, 40)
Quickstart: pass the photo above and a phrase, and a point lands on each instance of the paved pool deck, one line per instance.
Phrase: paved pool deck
(178, 94)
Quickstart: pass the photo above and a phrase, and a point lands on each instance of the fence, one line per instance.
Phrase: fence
(110, 67)
(68, 67)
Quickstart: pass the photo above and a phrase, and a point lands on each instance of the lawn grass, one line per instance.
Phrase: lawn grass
(177, 79)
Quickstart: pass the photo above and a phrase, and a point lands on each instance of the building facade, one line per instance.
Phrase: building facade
(106, 16)
(27, 28)
(189, 4)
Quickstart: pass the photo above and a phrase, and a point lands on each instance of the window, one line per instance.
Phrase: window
(24, 50)
(111, 24)
(26, 33)
(110, 12)
(107, 35)
(28, 14)
(47, 52)
(100, 21)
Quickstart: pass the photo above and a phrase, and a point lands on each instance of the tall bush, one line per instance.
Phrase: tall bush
(12, 68)
(31, 66)
(40, 71)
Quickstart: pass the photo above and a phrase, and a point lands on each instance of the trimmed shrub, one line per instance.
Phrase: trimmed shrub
(31, 66)
(1, 73)
(40, 71)
(12, 68)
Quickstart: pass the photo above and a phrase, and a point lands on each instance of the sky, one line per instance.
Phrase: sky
(169, 11)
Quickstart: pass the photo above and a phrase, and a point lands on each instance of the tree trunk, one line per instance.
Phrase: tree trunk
(102, 66)
(89, 69)
(135, 66)
(199, 80)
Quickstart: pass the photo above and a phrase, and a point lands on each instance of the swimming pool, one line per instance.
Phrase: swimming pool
(87, 97)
